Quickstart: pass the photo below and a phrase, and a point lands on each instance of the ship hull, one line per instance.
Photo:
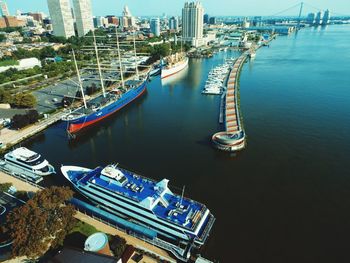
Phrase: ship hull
(174, 70)
(85, 121)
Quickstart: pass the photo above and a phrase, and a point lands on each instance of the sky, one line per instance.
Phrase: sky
(212, 7)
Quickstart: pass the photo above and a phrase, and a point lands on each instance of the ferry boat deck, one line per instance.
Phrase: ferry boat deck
(173, 208)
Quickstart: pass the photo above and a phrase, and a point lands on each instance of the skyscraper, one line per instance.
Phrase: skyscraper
(155, 26)
(206, 19)
(83, 16)
(4, 11)
(319, 18)
(192, 23)
(326, 17)
(311, 18)
(128, 19)
(212, 20)
(61, 16)
(174, 23)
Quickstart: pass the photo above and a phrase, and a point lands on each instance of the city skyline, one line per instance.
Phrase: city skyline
(232, 7)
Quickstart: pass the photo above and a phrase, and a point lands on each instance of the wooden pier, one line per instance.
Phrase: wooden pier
(233, 138)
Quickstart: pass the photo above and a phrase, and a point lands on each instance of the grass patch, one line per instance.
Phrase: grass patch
(10, 62)
(84, 228)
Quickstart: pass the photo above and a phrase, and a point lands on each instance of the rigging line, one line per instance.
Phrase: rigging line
(287, 9)
(307, 4)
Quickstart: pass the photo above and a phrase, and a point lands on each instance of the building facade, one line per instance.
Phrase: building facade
(128, 20)
(206, 19)
(83, 16)
(155, 26)
(192, 23)
(318, 20)
(310, 19)
(4, 11)
(212, 20)
(61, 17)
(326, 17)
(174, 23)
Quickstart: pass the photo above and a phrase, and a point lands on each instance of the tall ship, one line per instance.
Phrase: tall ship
(104, 105)
(107, 103)
(175, 64)
(29, 161)
(144, 201)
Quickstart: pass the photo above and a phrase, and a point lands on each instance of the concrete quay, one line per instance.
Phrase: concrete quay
(12, 137)
(233, 138)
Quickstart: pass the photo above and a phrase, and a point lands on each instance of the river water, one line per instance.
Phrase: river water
(286, 197)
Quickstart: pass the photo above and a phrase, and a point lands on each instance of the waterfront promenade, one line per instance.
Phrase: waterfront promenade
(233, 138)
(12, 137)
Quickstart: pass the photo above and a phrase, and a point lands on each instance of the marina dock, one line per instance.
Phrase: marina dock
(233, 138)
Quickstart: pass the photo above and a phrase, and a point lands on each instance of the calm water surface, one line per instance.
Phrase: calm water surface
(286, 197)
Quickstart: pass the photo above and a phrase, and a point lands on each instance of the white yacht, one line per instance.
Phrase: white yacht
(29, 161)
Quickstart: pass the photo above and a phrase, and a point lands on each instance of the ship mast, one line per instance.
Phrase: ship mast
(99, 66)
(135, 54)
(79, 79)
(119, 58)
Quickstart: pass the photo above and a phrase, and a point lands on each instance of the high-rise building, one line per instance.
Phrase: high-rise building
(4, 11)
(212, 20)
(112, 20)
(83, 16)
(98, 21)
(174, 23)
(128, 19)
(257, 21)
(318, 18)
(192, 23)
(326, 17)
(37, 16)
(155, 26)
(206, 19)
(61, 17)
(311, 18)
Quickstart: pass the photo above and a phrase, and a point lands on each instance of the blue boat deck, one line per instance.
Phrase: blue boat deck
(181, 211)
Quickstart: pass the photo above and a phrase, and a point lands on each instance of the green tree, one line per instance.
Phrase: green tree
(41, 223)
(118, 245)
(2, 37)
(5, 96)
(20, 121)
(5, 187)
(24, 100)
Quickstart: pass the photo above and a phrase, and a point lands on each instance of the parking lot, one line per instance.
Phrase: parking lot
(50, 97)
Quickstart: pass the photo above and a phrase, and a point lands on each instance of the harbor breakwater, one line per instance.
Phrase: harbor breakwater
(233, 138)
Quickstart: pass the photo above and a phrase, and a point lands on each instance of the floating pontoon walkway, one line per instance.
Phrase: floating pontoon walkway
(233, 138)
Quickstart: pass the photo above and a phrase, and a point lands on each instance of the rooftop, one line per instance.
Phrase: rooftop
(72, 255)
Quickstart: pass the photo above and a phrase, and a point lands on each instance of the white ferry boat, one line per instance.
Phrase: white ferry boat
(144, 201)
(29, 161)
